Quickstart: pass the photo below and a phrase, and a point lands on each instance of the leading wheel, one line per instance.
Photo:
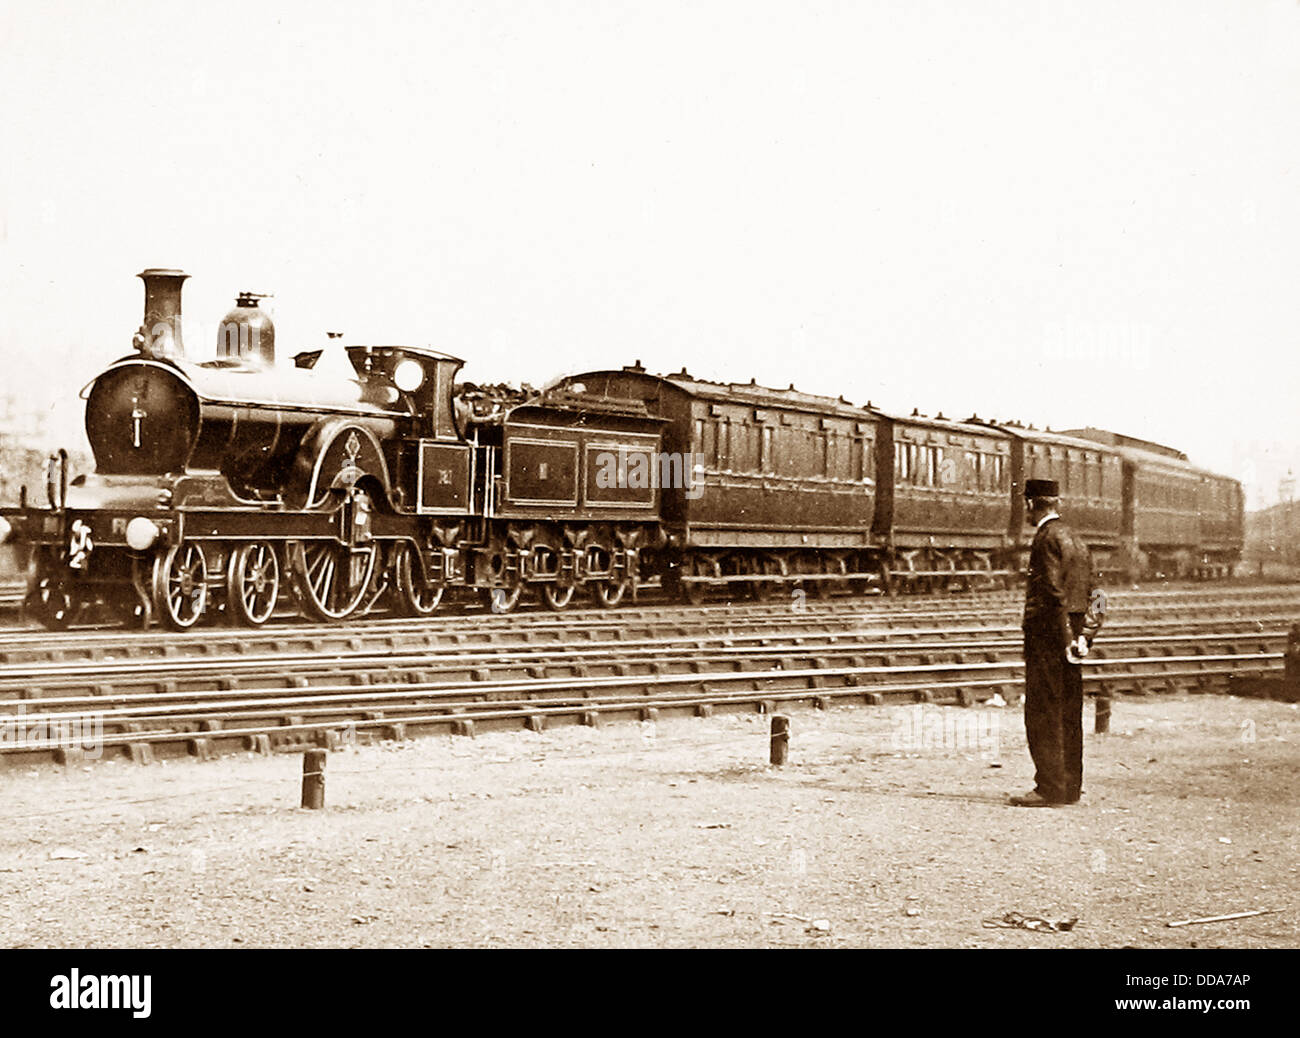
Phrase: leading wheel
(50, 603)
(253, 583)
(180, 586)
(331, 579)
(413, 595)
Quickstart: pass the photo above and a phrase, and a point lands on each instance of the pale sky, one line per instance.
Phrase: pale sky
(1067, 213)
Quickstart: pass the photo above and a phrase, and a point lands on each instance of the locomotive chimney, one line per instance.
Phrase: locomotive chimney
(160, 335)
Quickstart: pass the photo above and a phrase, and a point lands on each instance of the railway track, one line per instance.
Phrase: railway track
(95, 645)
(392, 679)
(11, 595)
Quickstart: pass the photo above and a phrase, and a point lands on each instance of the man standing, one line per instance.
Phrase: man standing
(1056, 598)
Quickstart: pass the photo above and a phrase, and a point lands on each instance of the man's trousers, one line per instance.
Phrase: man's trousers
(1054, 714)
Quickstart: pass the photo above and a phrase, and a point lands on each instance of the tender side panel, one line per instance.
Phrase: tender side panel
(623, 471)
(541, 468)
(581, 472)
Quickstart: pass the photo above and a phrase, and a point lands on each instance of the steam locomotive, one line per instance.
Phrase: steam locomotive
(229, 486)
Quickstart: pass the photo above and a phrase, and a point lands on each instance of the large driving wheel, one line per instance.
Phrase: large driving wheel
(253, 583)
(414, 597)
(180, 585)
(331, 579)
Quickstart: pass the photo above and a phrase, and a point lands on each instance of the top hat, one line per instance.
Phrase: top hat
(1042, 488)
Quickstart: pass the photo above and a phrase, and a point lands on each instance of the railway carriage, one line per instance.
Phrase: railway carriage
(1091, 479)
(1177, 520)
(777, 487)
(942, 511)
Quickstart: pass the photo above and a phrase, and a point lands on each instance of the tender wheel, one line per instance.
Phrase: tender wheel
(607, 593)
(50, 604)
(253, 583)
(415, 599)
(502, 599)
(180, 586)
(331, 579)
(557, 597)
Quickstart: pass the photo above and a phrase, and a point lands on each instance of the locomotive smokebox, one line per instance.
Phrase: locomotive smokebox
(160, 335)
(246, 333)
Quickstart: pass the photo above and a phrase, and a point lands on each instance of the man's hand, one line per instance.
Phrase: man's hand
(1076, 650)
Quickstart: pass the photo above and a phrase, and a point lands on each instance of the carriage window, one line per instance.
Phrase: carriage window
(747, 459)
(766, 459)
(839, 457)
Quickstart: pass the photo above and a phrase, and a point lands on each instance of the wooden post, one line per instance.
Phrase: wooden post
(780, 739)
(1101, 723)
(313, 778)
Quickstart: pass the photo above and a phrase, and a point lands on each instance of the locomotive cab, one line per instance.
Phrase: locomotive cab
(423, 376)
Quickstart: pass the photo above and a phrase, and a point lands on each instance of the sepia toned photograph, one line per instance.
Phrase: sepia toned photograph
(789, 475)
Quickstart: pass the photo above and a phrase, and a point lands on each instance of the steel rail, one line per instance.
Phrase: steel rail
(97, 648)
(701, 690)
(625, 651)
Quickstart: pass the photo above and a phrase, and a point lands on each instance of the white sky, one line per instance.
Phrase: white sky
(1068, 213)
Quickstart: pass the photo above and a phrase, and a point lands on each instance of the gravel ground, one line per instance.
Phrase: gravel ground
(888, 828)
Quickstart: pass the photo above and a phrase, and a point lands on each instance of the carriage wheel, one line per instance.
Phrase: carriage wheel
(413, 596)
(180, 586)
(886, 577)
(557, 596)
(609, 593)
(50, 603)
(253, 583)
(331, 579)
(763, 590)
(832, 565)
(502, 599)
(694, 593)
